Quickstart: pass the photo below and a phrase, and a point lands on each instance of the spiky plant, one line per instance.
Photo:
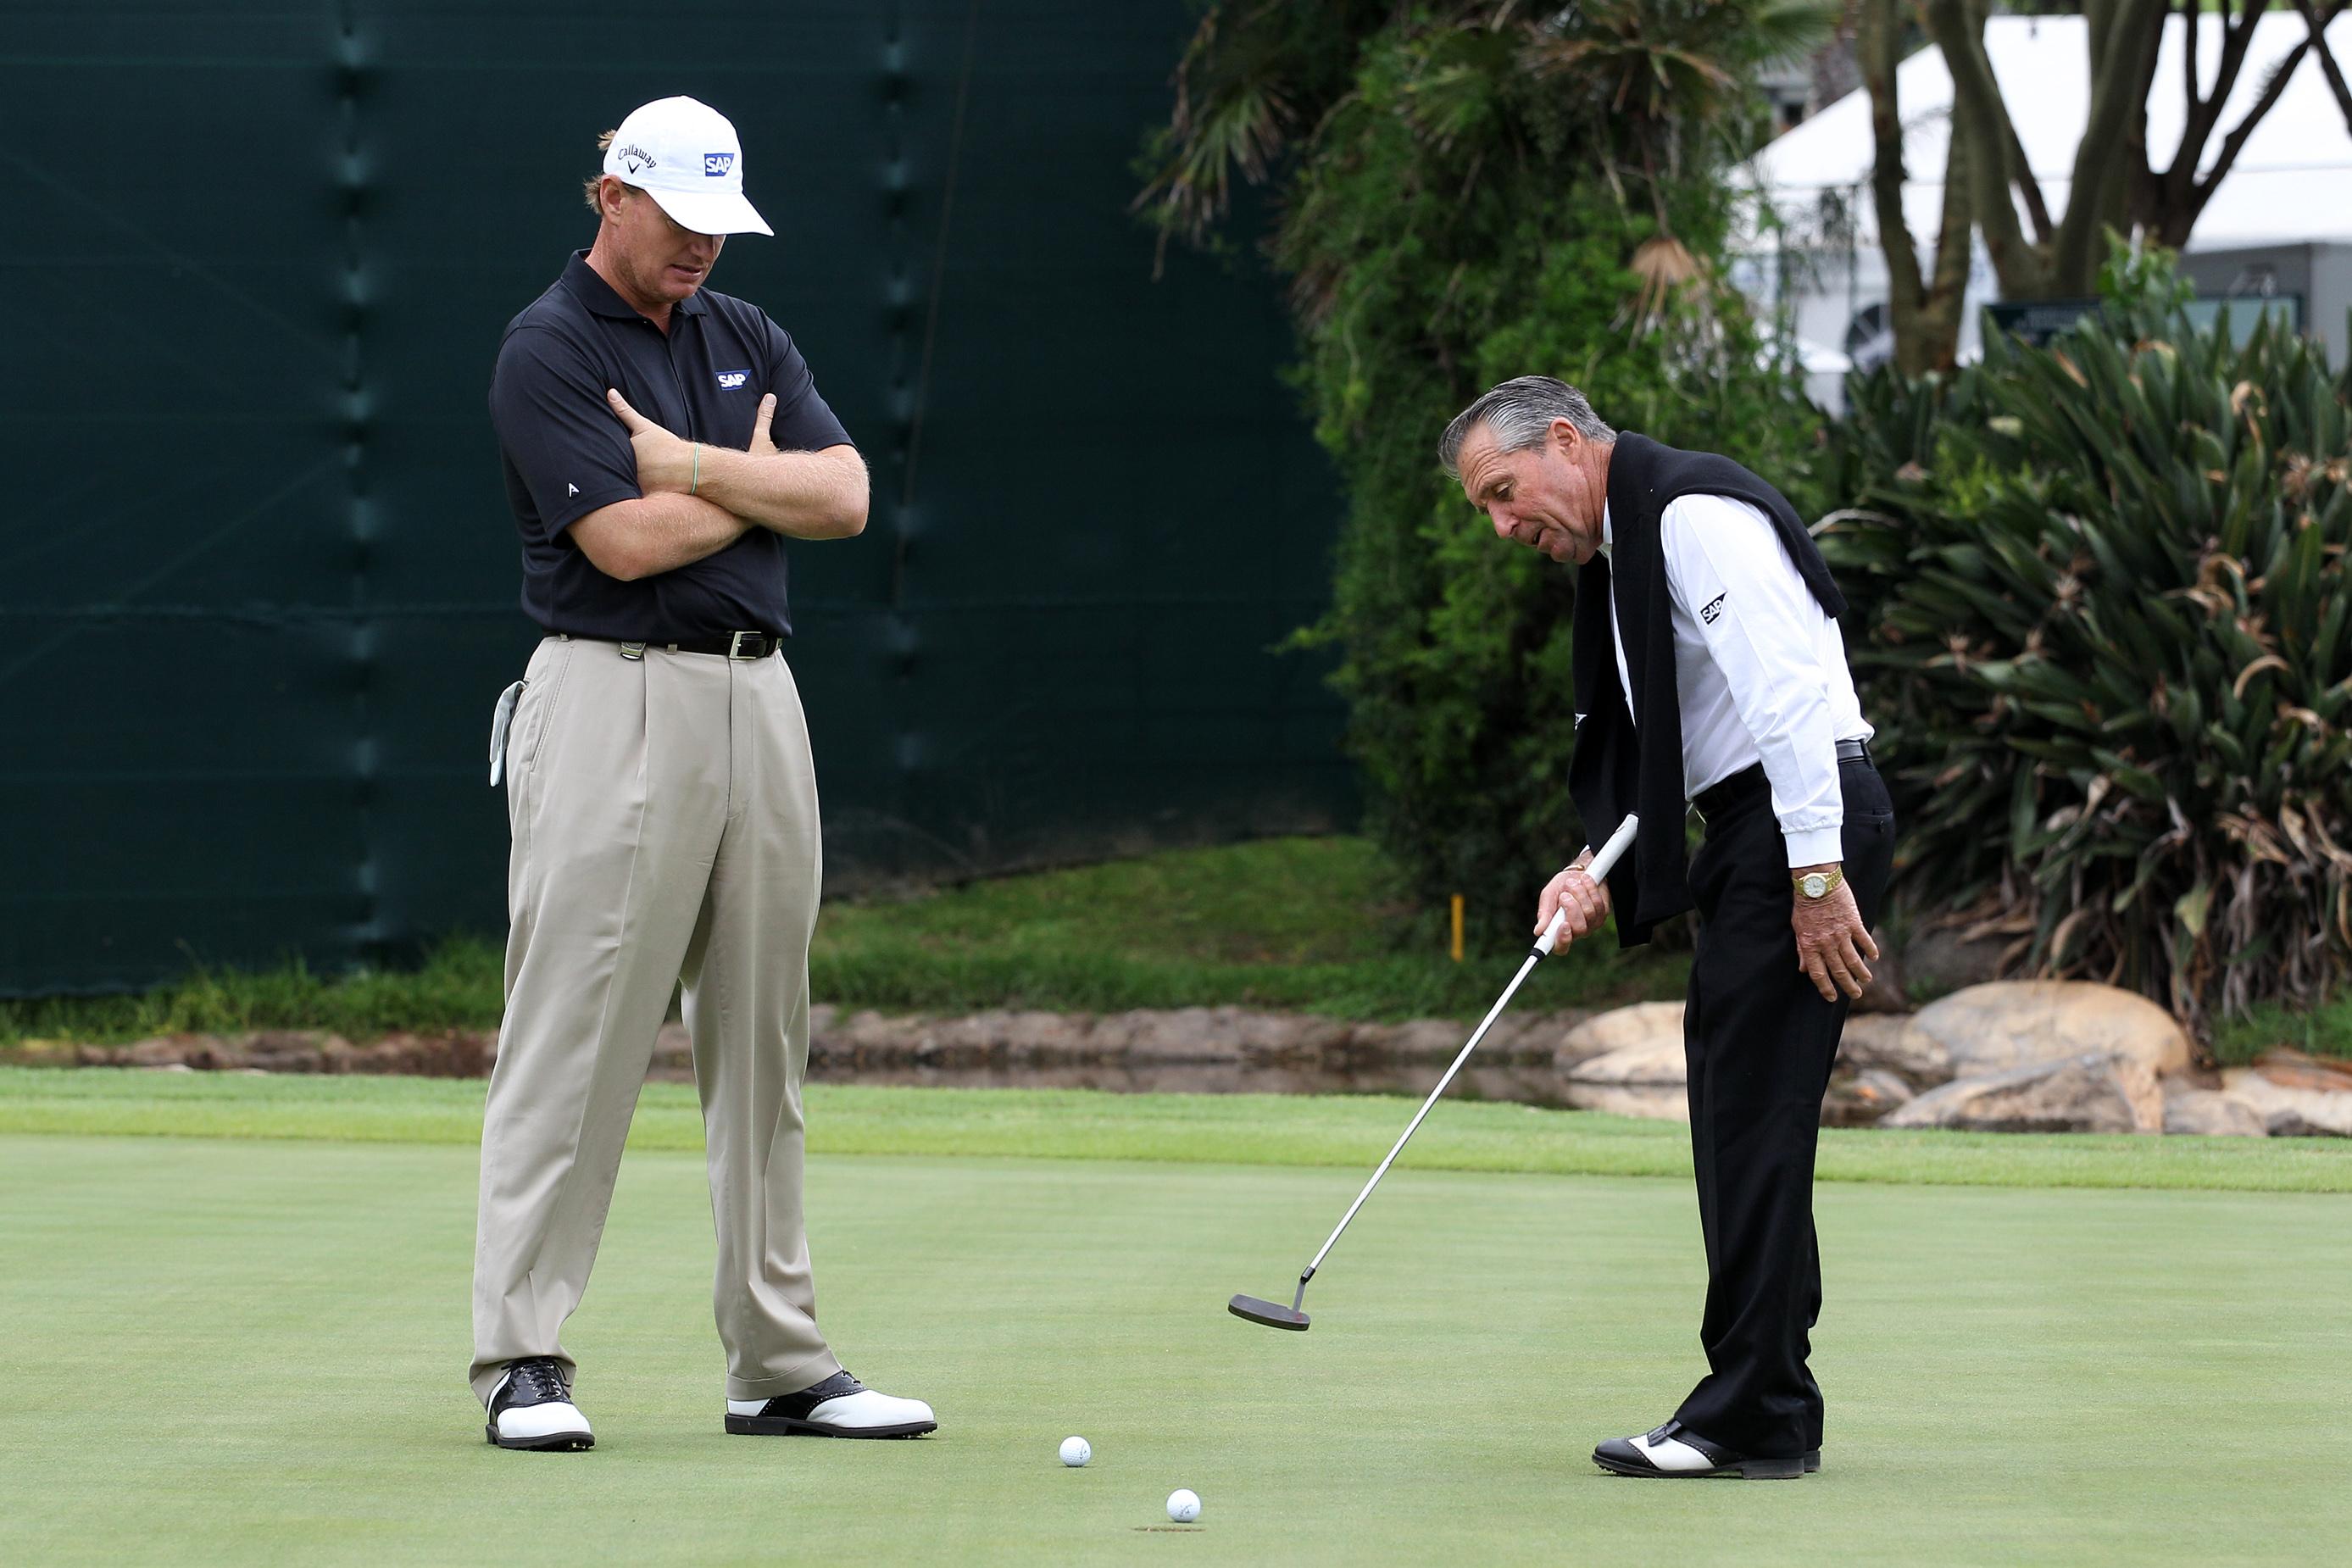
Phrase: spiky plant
(2110, 631)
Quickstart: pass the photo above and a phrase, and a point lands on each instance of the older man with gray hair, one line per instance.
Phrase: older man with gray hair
(1709, 672)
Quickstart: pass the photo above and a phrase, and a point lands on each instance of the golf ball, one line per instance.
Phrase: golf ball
(1076, 1451)
(1183, 1505)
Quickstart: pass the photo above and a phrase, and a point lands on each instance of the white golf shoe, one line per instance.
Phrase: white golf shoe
(1674, 1451)
(840, 1406)
(531, 1408)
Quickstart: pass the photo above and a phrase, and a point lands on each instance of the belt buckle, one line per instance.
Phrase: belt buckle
(735, 644)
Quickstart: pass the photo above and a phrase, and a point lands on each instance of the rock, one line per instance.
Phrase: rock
(1650, 1101)
(1646, 1077)
(1285, 1038)
(1935, 962)
(1425, 1044)
(1884, 1042)
(1656, 1060)
(2292, 1070)
(2094, 1091)
(2290, 1112)
(2212, 1113)
(285, 1050)
(1531, 1038)
(1617, 1029)
(673, 1060)
(1180, 1035)
(2015, 1022)
(1888, 991)
(179, 1050)
(1862, 1099)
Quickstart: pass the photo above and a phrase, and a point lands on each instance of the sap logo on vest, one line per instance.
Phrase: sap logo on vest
(716, 164)
(732, 380)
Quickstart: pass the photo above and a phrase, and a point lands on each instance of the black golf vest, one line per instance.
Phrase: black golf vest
(1621, 767)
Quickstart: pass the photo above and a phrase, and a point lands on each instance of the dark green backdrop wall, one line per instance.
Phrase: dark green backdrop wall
(257, 578)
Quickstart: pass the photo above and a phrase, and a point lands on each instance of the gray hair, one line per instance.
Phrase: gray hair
(1519, 413)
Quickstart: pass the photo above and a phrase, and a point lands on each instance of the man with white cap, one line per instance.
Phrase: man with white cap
(660, 443)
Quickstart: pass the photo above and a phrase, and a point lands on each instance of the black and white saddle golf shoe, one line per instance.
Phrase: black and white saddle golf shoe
(840, 1406)
(531, 1408)
(1675, 1452)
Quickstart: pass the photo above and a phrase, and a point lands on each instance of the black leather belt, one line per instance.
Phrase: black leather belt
(734, 645)
(1717, 799)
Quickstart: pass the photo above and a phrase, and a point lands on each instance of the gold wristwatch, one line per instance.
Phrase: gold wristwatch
(1819, 884)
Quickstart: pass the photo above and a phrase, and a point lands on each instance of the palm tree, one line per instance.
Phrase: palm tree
(1641, 91)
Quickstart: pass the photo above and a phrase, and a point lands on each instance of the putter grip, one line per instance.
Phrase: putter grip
(1603, 861)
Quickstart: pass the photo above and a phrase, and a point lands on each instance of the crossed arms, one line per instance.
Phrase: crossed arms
(700, 499)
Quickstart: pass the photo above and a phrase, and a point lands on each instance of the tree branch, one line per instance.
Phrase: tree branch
(2205, 112)
(2317, 22)
(1979, 116)
(1939, 312)
(1875, 32)
(2184, 218)
(2118, 68)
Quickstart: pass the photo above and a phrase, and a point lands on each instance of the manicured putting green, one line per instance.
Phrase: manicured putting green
(1351, 1131)
(226, 1351)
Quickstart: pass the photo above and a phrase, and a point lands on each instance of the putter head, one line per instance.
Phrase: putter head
(1272, 1314)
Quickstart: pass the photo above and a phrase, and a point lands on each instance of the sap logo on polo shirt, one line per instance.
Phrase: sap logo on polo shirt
(716, 164)
(1714, 608)
(732, 380)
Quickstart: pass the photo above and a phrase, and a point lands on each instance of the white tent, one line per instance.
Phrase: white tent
(2290, 184)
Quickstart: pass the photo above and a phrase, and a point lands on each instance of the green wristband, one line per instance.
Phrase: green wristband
(695, 483)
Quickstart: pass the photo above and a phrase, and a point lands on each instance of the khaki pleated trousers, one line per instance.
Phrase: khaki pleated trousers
(665, 819)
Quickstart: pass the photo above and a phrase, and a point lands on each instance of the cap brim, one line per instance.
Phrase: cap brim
(711, 212)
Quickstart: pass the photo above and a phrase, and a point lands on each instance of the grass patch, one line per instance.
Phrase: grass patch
(1290, 923)
(459, 986)
(1351, 1131)
(2324, 1031)
(2053, 1377)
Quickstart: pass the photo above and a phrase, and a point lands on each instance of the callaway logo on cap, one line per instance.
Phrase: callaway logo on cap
(686, 155)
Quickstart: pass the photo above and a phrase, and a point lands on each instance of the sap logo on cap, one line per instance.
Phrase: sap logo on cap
(730, 380)
(717, 163)
(634, 158)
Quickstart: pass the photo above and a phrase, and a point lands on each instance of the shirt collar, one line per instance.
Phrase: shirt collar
(598, 296)
(1608, 535)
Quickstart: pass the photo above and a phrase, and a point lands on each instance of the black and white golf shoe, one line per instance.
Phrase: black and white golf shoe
(840, 1406)
(1675, 1452)
(531, 1408)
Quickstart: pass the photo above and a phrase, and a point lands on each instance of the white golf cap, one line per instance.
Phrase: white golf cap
(686, 155)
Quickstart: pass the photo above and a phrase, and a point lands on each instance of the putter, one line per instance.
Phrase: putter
(1273, 1314)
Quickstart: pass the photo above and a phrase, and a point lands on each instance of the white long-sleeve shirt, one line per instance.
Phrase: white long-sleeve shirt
(1759, 667)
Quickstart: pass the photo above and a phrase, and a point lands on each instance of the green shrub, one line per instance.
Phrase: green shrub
(2106, 639)
(1425, 278)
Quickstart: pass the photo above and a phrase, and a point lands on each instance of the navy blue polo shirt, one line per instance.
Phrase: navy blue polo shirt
(566, 453)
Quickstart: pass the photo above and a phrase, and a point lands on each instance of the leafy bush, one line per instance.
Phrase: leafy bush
(2107, 622)
(1492, 189)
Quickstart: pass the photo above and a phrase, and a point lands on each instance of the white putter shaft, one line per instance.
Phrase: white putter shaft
(1603, 861)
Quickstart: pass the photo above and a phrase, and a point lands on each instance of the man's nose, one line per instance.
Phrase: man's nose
(1505, 526)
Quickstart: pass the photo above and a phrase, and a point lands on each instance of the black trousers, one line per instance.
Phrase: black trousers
(1759, 1041)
